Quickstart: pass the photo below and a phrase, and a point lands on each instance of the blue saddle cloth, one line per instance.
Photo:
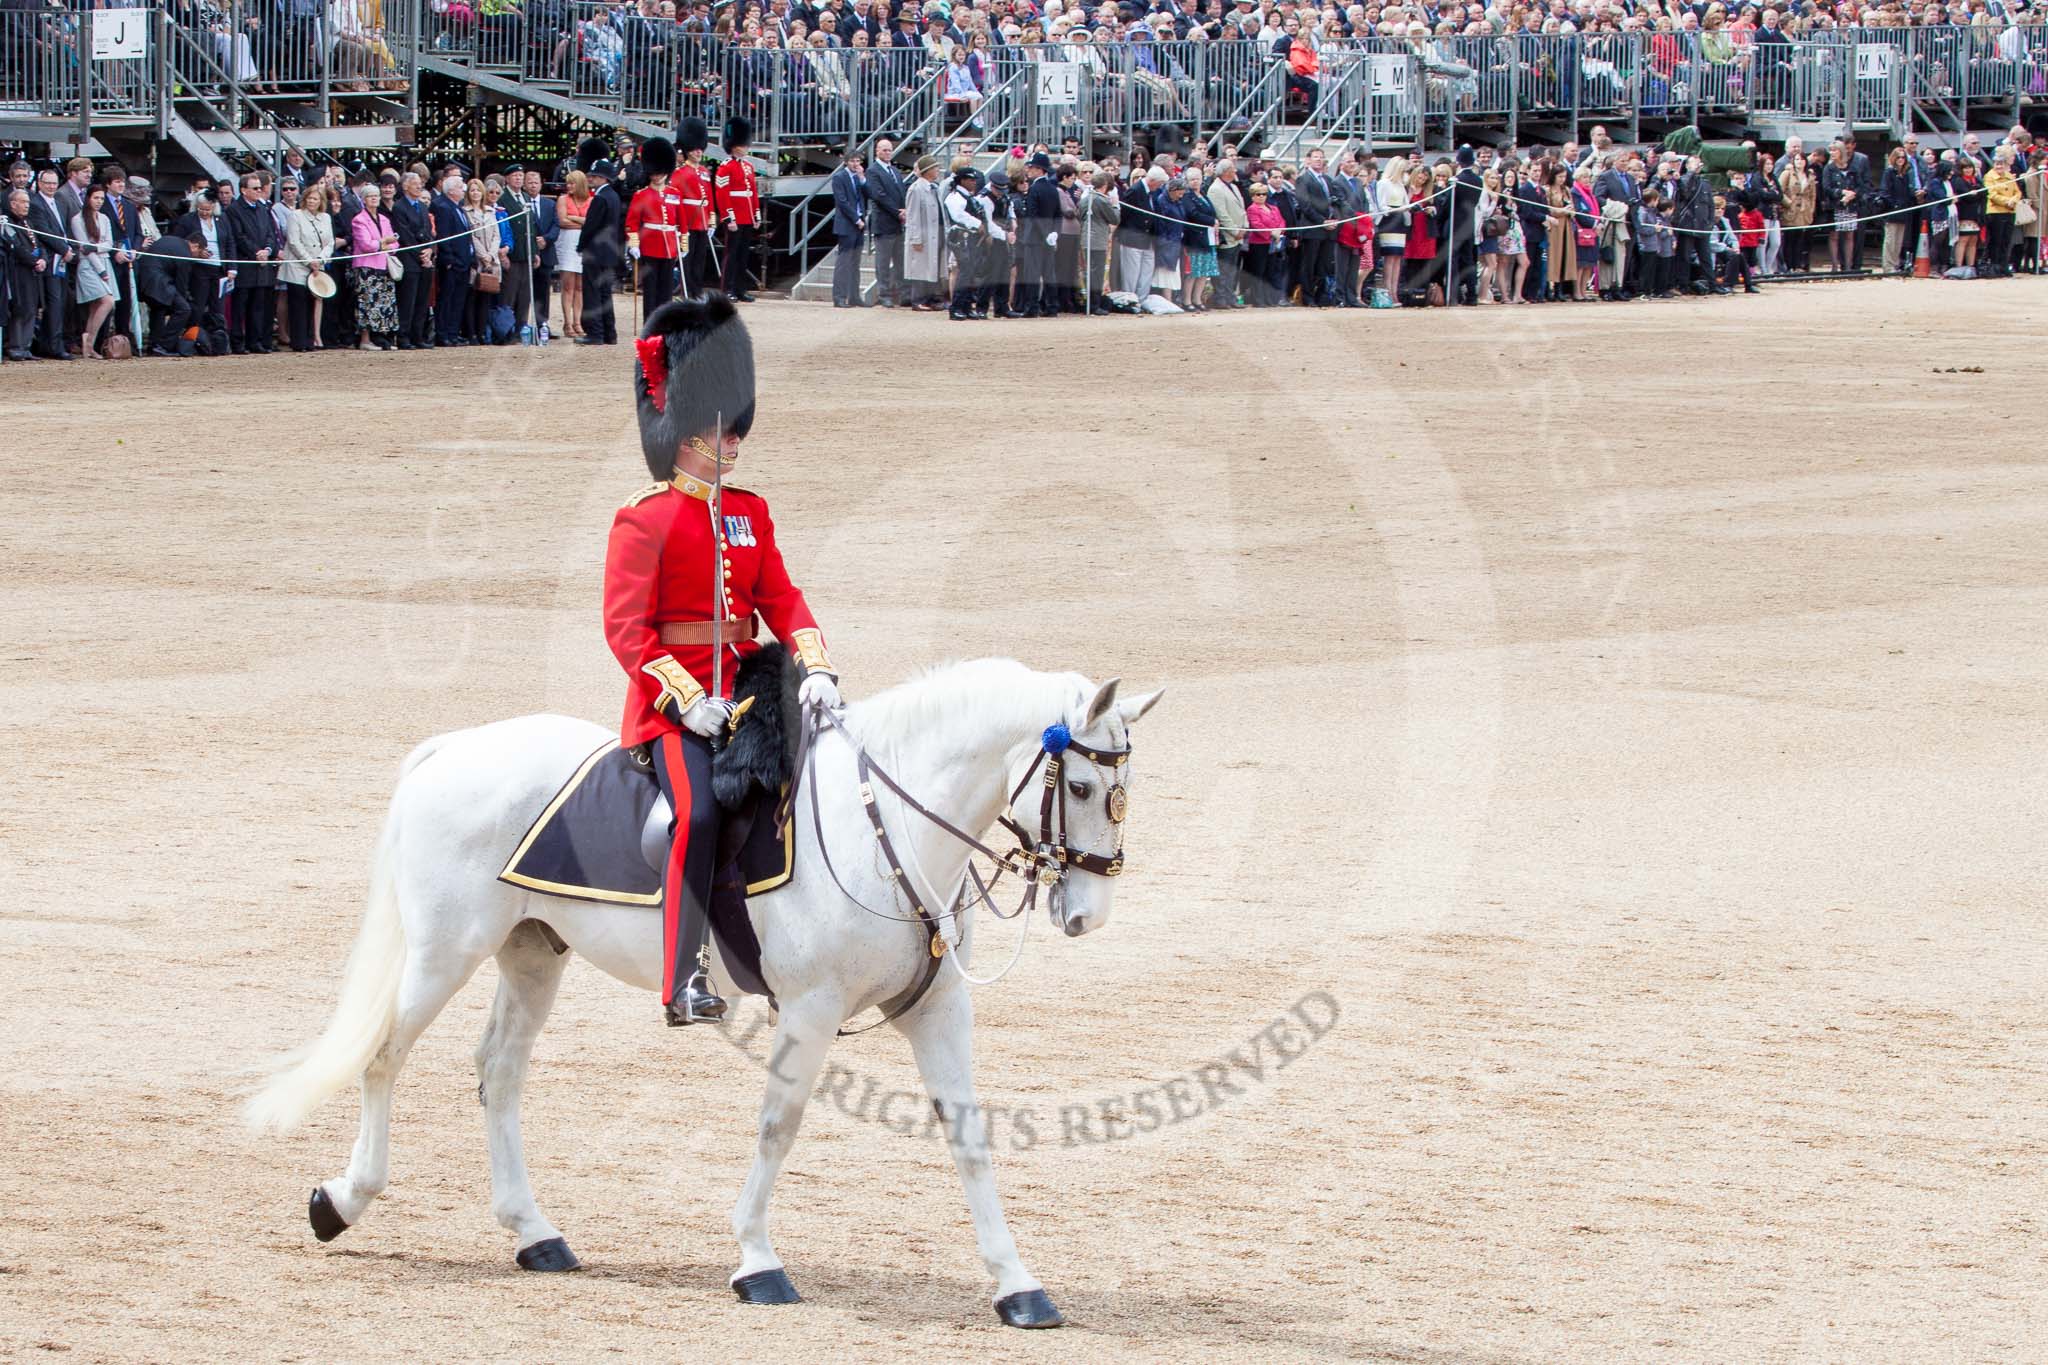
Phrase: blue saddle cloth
(585, 845)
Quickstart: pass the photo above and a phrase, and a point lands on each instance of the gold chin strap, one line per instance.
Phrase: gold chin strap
(710, 452)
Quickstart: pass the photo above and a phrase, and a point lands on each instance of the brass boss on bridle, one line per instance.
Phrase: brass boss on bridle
(1049, 857)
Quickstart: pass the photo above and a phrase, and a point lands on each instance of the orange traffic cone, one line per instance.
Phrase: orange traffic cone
(1923, 262)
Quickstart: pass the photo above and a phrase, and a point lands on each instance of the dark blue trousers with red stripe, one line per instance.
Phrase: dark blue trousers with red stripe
(693, 844)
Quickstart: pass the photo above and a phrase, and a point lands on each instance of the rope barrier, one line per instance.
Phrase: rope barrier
(277, 260)
(1511, 197)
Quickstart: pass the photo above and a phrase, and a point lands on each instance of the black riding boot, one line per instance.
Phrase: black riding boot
(694, 1003)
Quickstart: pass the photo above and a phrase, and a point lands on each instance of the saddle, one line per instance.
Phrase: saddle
(604, 835)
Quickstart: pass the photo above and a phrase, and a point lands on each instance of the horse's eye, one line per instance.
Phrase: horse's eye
(1080, 790)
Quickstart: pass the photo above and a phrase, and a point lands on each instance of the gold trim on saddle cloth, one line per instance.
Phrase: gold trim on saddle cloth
(781, 878)
(591, 893)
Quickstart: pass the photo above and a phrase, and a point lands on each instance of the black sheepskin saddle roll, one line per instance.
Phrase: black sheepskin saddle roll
(591, 842)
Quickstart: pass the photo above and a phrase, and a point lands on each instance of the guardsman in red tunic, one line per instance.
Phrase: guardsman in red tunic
(674, 581)
(693, 188)
(654, 223)
(738, 202)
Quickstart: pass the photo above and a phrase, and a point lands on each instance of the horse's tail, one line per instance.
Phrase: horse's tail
(309, 1076)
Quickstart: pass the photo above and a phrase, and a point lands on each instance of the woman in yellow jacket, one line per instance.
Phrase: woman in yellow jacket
(2002, 196)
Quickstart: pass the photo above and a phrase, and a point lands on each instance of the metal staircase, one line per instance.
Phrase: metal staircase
(1339, 117)
(1000, 120)
(190, 71)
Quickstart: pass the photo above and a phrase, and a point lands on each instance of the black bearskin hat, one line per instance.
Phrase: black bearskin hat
(695, 376)
(658, 157)
(589, 152)
(692, 136)
(738, 133)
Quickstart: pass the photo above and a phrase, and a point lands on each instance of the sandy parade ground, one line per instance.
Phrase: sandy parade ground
(1585, 893)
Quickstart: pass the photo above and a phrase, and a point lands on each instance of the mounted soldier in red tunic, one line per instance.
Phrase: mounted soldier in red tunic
(691, 573)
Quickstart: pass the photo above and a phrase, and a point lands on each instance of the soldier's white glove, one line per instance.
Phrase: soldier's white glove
(818, 688)
(707, 717)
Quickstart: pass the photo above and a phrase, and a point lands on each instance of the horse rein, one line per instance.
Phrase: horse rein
(1046, 861)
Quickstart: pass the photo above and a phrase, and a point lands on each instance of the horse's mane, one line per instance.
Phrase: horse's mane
(952, 707)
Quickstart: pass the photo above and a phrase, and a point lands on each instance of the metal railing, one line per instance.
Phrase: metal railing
(302, 58)
(80, 65)
(190, 65)
(39, 66)
(1338, 110)
(1243, 90)
(1004, 117)
(290, 48)
(618, 59)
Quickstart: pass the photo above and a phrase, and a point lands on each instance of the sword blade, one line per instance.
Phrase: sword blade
(718, 561)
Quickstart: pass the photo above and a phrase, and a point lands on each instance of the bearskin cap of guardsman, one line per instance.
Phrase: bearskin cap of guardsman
(658, 157)
(739, 132)
(694, 377)
(692, 135)
(589, 152)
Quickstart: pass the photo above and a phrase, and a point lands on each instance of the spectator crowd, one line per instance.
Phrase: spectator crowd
(823, 66)
(1049, 232)
(664, 42)
(936, 26)
(95, 264)
(405, 258)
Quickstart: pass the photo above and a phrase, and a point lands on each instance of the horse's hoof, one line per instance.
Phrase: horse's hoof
(1028, 1308)
(766, 1286)
(325, 1218)
(550, 1255)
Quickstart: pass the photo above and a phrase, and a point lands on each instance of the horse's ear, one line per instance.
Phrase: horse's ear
(1134, 711)
(1105, 697)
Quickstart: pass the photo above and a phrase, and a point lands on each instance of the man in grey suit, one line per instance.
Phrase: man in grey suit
(1614, 183)
(886, 214)
(71, 194)
(71, 204)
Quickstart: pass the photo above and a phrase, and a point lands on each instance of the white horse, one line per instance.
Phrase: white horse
(960, 739)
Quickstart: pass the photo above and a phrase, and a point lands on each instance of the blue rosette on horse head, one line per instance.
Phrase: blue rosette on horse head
(744, 831)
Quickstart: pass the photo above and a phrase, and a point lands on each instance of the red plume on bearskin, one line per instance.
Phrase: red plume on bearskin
(653, 353)
(696, 354)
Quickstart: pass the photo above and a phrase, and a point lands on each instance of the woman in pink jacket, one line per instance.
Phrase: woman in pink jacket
(371, 240)
(1262, 247)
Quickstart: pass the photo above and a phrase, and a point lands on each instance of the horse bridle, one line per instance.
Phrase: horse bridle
(1048, 859)
(1045, 861)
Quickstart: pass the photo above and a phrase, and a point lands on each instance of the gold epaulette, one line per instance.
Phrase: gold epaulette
(646, 493)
